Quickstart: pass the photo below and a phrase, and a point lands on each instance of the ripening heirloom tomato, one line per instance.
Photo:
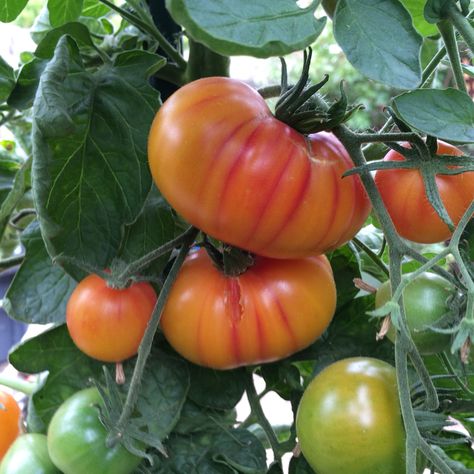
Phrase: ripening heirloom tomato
(230, 168)
(10, 416)
(404, 196)
(425, 302)
(107, 323)
(76, 439)
(273, 309)
(349, 420)
(28, 455)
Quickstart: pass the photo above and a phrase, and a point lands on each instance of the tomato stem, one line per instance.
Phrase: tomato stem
(15, 383)
(461, 23)
(372, 255)
(147, 341)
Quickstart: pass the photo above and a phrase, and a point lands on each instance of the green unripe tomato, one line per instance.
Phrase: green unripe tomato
(76, 439)
(28, 455)
(425, 302)
(349, 421)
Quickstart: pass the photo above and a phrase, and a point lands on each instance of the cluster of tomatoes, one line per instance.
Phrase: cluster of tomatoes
(231, 169)
(75, 443)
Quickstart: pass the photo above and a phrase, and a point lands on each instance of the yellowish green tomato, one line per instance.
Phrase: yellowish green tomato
(425, 302)
(349, 420)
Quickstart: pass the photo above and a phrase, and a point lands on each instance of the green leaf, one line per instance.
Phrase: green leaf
(299, 465)
(90, 174)
(40, 290)
(416, 9)
(216, 389)
(433, 11)
(64, 11)
(154, 227)
(41, 25)
(164, 393)
(376, 51)
(23, 94)
(216, 452)
(458, 467)
(78, 31)
(261, 29)
(69, 370)
(10, 9)
(94, 9)
(447, 114)
(7, 80)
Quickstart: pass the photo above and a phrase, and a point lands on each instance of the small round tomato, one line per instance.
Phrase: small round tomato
(107, 323)
(425, 302)
(76, 439)
(10, 417)
(28, 455)
(229, 167)
(273, 309)
(349, 420)
(404, 195)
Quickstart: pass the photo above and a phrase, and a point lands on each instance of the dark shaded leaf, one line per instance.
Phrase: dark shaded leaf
(40, 290)
(261, 29)
(447, 114)
(375, 51)
(7, 80)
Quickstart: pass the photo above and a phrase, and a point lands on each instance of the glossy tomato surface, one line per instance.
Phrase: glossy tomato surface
(28, 455)
(76, 439)
(349, 420)
(106, 323)
(426, 301)
(404, 196)
(274, 309)
(10, 416)
(229, 167)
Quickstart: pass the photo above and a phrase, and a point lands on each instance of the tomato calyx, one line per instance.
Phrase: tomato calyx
(298, 108)
(231, 261)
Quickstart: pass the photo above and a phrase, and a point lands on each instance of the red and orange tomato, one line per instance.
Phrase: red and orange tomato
(108, 323)
(10, 417)
(273, 309)
(405, 198)
(230, 168)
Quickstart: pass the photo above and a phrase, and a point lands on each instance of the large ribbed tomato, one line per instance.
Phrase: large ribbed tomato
(405, 198)
(229, 167)
(108, 323)
(273, 309)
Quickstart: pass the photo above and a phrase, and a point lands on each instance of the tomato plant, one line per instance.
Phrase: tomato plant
(76, 439)
(108, 323)
(273, 309)
(10, 417)
(426, 301)
(261, 185)
(28, 455)
(349, 419)
(404, 195)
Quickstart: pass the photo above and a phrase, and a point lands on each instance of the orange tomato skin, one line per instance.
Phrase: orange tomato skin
(230, 168)
(10, 416)
(272, 310)
(403, 193)
(106, 323)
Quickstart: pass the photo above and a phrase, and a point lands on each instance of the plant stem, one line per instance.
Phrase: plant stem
(152, 31)
(15, 383)
(449, 37)
(146, 344)
(7, 263)
(461, 23)
(261, 418)
(371, 254)
(387, 137)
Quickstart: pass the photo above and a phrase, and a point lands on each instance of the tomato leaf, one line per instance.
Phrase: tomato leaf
(40, 290)
(94, 9)
(7, 80)
(10, 9)
(447, 114)
(68, 369)
(357, 30)
(416, 9)
(299, 465)
(213, 452)
(216, 389)
(64, 11)
(91, 176)
(261, 29)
